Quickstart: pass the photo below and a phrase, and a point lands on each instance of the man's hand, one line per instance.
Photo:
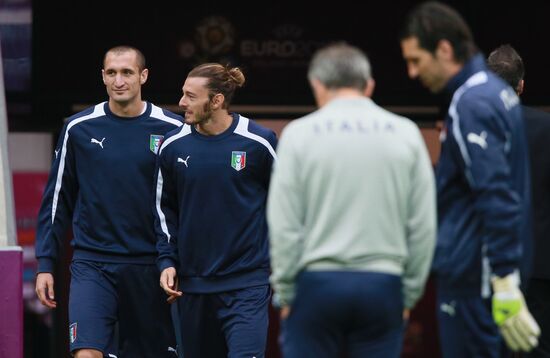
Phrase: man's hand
(406, 314)
(44, 289)
(518, 328)
(285, 311)
(169, 283)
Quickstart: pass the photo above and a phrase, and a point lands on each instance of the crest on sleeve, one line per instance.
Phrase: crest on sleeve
(72, 332)
(238, 160)
(155, 141)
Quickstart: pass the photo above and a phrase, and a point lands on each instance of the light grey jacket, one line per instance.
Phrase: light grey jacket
(353, 189)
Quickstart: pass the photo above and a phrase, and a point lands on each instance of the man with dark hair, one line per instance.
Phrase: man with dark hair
(483, 189)
(101, 181)
(507, 63)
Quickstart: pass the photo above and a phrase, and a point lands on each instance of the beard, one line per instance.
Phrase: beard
(204, 115)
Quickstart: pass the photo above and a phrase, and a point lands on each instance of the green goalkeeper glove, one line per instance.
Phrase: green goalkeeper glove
(518, 328)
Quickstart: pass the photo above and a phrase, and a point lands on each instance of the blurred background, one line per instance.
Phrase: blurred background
(52, 54)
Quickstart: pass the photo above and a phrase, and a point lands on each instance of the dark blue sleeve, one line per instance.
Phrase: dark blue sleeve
(165, 210)
(271, 157)
(483, 135)
(58, 202)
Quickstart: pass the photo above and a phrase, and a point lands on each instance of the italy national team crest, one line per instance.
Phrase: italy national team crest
(238, 160)
(72, 332)
(155, 142)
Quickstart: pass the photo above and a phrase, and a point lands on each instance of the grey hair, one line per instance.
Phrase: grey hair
(340, 66)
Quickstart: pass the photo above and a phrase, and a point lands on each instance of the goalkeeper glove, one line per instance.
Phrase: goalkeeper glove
(518, 328)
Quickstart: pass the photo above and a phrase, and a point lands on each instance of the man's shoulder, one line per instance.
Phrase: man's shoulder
(299, 127)
(166, 115)
(493, 95)
(253, 127)
(308, 119)
(176, 134)
(483, 82)
(92, 112)
(178, 130)
(535, 113)
(537, 122)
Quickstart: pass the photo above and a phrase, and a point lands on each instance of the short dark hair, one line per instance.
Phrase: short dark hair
(432, 22)
(140, 58)
(507, 63)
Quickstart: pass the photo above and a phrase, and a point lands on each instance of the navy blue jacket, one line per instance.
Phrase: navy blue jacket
(210, 206)
(102, 180)
(483, 184)
(537, 127)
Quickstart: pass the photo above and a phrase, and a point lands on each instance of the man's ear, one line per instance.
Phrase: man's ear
(143, 76)
(320, 92)
(521, 85)
(218, 100)
(369, 89)
(445, 50)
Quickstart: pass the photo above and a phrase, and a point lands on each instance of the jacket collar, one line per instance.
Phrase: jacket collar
(473, 65)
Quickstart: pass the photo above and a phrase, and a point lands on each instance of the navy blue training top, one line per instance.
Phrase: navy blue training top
(102, 180)
(210, 206)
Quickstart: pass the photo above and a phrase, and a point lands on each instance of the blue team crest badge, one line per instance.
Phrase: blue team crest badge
(155, 141)
(72, 332)
(238, 160)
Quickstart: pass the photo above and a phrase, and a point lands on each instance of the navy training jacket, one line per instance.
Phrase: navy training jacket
(210, 206)
(102, 180)
(483, 184)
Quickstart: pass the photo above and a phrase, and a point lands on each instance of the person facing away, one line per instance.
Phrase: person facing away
(483, 189)
(211, 187)
(352, 218)
(101, 181)
(508, 64)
